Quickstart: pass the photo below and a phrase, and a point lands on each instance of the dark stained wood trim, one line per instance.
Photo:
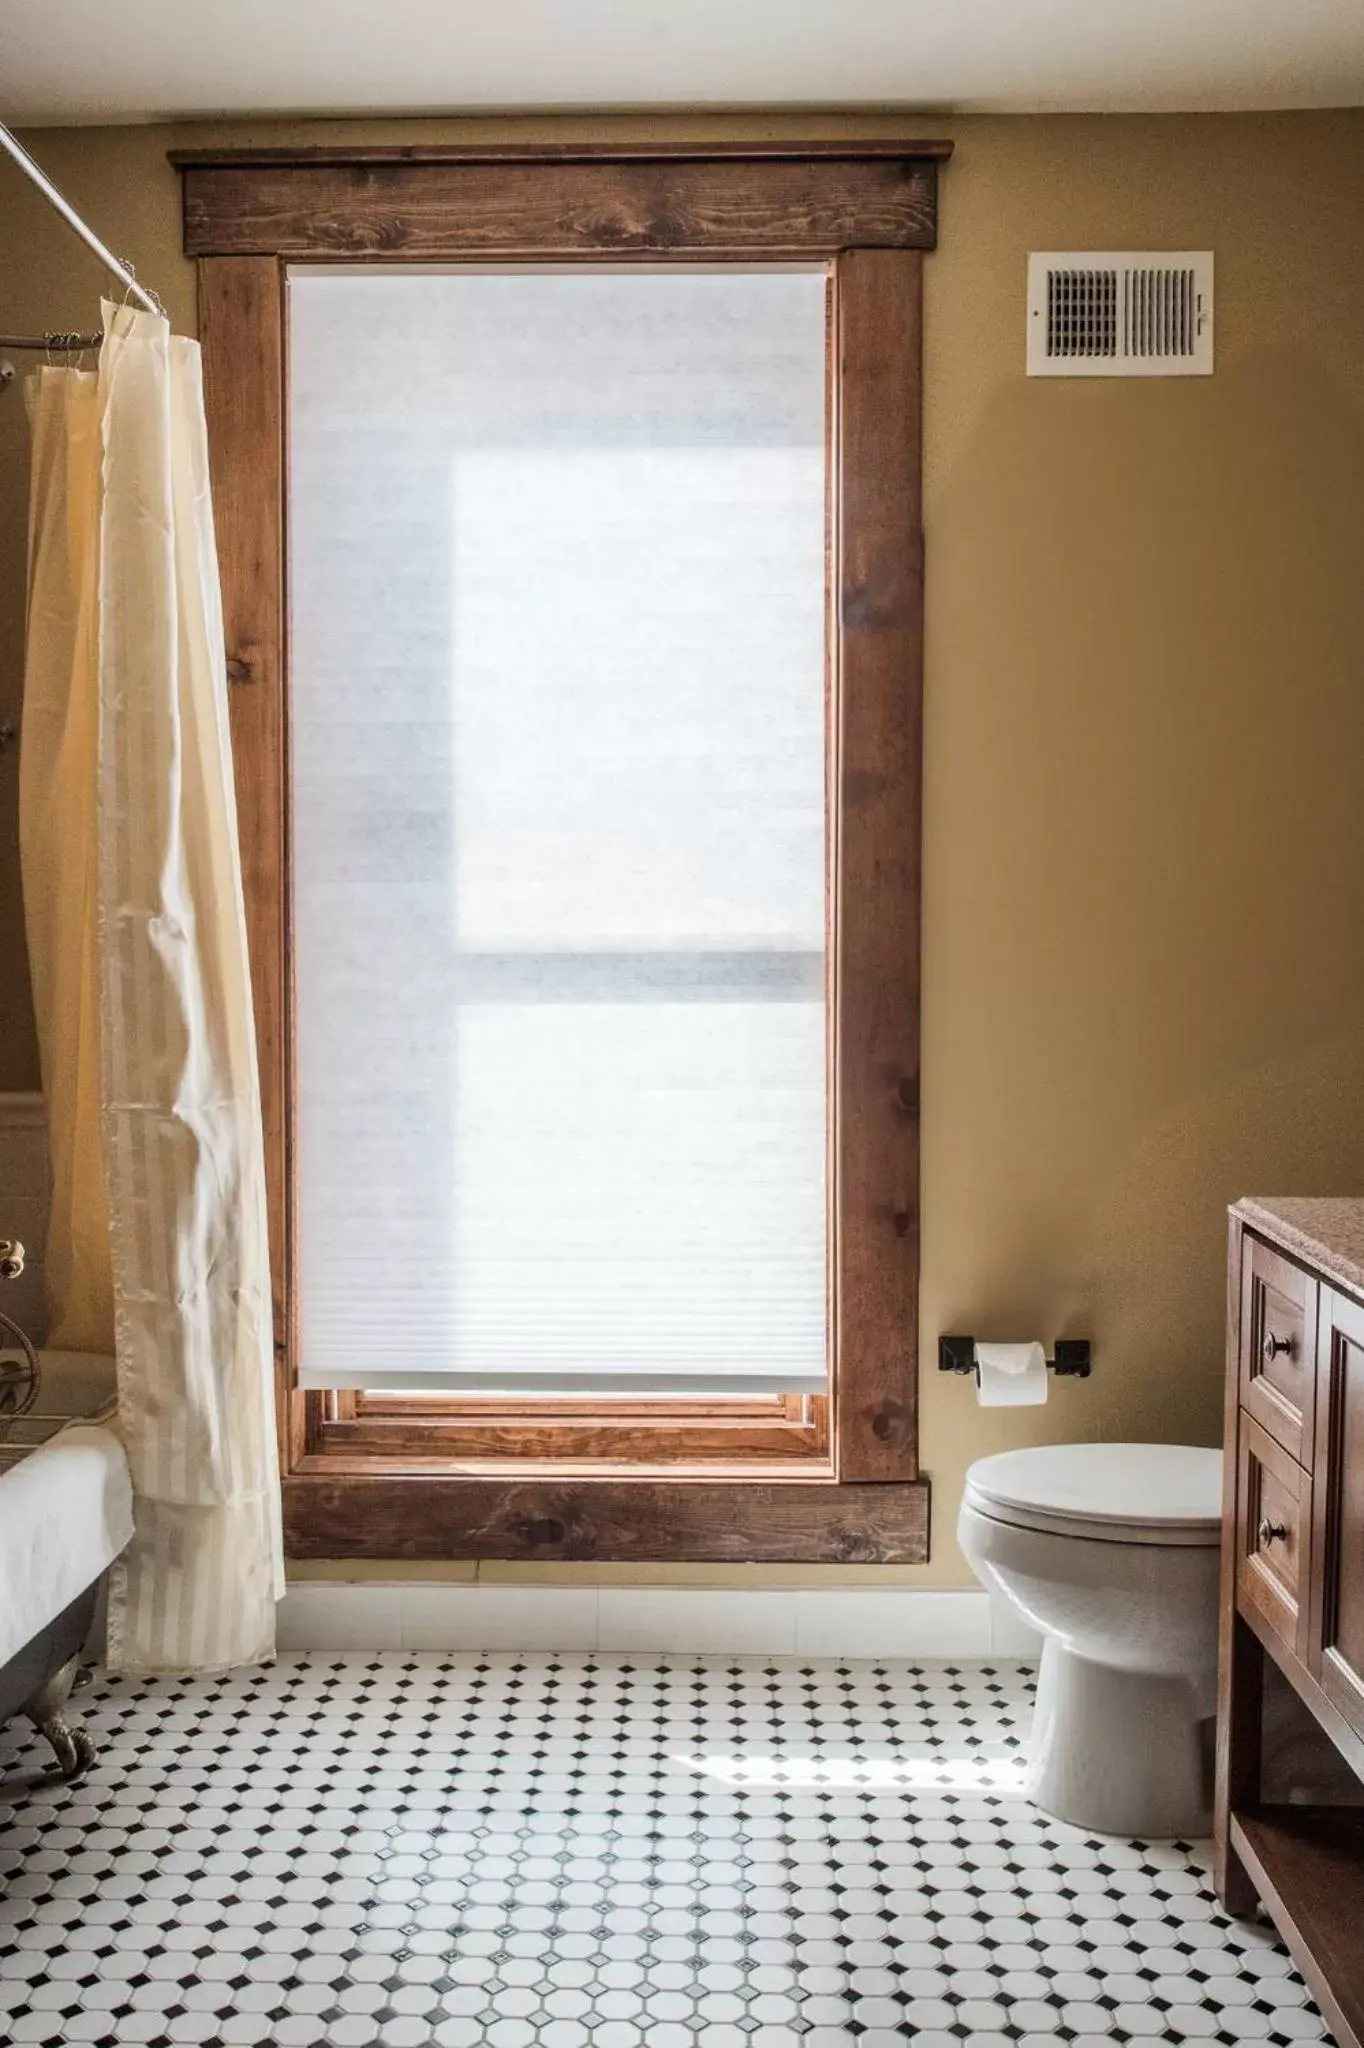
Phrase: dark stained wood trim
(342, 1499)
(241, 321)
(871, 149)
(624, 1520)
(543, 208)
(879, 670)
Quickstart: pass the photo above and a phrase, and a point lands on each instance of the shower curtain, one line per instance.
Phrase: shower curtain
(137, 939)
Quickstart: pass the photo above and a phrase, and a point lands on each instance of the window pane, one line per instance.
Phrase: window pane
(557, 594)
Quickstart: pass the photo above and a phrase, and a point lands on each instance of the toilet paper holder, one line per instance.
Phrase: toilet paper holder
(958, 1354)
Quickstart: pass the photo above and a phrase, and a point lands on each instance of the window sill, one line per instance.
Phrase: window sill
(624, 1517)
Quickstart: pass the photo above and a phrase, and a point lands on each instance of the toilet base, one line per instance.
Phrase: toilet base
(1119, 1752)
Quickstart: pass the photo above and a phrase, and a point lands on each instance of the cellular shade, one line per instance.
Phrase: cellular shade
(558, 763)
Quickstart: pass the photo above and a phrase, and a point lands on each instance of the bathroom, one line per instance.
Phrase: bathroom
(1138, 1000)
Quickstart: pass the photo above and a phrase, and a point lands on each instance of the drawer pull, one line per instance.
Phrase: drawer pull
(1273, 1346)
(1268, 1532)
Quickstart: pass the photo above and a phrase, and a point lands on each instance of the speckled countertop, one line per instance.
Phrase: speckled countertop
(1325, 1232)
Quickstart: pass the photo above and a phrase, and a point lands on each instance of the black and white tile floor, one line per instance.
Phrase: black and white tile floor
(596, 1852)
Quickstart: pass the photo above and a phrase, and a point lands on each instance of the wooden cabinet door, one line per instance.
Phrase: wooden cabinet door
(1278, 1344)
(1273, 1528)
(1335, 1651)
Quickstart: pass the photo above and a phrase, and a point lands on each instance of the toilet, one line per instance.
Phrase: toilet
(1111, 1551)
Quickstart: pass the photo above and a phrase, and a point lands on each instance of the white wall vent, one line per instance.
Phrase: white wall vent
(1110, 313)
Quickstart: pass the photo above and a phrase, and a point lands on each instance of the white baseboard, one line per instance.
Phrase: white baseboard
(704, 1620)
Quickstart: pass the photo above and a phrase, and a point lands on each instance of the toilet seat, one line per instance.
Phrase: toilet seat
(1109, 1493)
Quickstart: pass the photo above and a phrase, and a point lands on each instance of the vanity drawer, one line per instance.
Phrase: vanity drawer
(1278, 1347)
(1273, 1534)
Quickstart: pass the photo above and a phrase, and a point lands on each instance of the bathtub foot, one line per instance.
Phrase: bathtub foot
(46, 1710)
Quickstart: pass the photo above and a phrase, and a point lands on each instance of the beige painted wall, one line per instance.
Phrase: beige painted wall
(1144, 859)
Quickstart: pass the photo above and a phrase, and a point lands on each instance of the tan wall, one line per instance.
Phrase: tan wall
(1144, 860)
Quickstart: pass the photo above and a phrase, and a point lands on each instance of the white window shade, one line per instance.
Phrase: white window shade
(557, 598)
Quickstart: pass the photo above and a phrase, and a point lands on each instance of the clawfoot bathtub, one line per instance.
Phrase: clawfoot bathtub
(65, 1514)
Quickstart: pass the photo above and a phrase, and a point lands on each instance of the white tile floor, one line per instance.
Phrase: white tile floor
(595, 1851)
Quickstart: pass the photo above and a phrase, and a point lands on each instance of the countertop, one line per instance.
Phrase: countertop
(1325, 1232)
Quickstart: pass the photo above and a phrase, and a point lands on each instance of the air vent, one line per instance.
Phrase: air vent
(1129, 314)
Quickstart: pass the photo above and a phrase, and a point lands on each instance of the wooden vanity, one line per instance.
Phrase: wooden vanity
(1293, 1584)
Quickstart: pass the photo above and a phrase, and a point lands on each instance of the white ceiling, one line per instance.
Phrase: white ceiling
(131, 60)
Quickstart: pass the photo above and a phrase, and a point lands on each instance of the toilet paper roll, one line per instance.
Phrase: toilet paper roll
(1011, 1375)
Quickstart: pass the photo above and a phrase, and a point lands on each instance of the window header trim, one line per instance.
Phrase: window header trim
(561, 201)
(869, 149)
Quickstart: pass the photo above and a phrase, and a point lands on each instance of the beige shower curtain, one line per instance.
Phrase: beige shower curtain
(137, 938)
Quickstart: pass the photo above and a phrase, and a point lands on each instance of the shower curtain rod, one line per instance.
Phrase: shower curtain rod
(66, 341)
(56, 343)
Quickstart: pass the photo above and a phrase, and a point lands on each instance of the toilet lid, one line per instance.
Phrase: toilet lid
(1122, 1493)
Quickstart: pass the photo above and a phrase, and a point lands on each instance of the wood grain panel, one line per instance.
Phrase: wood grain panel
(878, 665)
(362, 207)
(1273, 1518)
(1278, 1346)
(241, 335)
(432, 1514)
(1336, 1648)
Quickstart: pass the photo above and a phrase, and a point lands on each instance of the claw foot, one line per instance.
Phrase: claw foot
(73, 1748)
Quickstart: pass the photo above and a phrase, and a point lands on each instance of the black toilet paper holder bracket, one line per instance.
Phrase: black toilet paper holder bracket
(958, 1354)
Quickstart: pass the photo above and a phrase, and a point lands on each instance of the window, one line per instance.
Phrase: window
(580, 823)
(558, 773)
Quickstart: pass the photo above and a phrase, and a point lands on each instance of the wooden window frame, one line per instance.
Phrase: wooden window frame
(818, 1479)
(638, 1432)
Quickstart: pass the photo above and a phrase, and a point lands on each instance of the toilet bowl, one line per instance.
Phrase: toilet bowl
(1111, 1551)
